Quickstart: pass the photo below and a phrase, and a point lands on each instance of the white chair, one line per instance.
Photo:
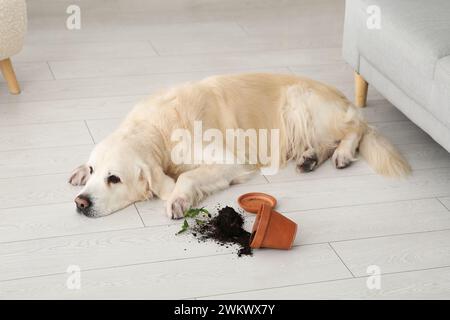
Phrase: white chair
(13, 24)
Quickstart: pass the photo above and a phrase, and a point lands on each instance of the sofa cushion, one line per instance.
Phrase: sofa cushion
(413, 37)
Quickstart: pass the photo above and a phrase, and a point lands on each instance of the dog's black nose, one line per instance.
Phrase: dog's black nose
(83, 202)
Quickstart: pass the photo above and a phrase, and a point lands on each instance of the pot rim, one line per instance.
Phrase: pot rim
(263, 198)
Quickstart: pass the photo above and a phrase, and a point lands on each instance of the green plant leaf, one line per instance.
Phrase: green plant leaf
(184, 227)
(194, 212)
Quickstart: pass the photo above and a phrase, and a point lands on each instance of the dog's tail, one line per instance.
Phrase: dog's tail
(382, 156)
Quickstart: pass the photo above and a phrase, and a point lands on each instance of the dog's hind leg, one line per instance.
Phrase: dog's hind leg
(345, 152)
(311, 158)
(308, 161)
(307, 117)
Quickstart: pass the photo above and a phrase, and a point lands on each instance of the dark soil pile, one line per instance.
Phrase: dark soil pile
(225, 228)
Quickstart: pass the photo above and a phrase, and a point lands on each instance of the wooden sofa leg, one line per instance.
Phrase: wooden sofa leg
(361, 87)
(9, 75)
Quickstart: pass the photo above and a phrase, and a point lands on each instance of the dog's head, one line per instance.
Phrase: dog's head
(114, 177)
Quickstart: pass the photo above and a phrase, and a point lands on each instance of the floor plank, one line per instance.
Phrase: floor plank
(58, 220)
(188, 278)
(44, 135)
(140, 66)
(86, 50)
(18, 113)
(396, 253)
(32, 162)
(127, 30)
(296, 21)
(431, 284)
(27, 71)
(36, 190)
(373, 220)
(100, 250)
(238, 43)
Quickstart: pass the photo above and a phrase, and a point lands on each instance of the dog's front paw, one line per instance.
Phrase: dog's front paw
(177, 206)
(80, 175)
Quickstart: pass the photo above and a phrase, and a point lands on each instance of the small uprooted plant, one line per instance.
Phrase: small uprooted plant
(199, 215)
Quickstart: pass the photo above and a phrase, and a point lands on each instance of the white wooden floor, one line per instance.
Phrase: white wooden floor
(77, 85)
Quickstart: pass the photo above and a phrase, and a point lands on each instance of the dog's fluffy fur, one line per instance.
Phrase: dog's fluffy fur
(316, 122)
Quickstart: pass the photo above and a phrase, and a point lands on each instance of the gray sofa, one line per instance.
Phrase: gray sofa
(407, 59)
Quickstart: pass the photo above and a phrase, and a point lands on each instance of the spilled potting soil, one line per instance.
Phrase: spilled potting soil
(226, 228)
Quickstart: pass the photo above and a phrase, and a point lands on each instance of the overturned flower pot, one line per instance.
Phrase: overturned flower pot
(272, 230)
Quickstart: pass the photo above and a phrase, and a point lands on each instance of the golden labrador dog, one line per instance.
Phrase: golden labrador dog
(308, 122)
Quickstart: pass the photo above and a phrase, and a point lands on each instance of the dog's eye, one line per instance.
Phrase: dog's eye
(113, 179)
(91, 171)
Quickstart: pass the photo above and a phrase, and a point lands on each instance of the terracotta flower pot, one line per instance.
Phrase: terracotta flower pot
(272, 230)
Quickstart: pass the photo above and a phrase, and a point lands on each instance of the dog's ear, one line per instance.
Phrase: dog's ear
(157, 182)
(80, 175)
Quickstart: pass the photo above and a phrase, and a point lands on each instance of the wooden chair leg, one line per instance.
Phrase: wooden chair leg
(361, 87)
(9, 75)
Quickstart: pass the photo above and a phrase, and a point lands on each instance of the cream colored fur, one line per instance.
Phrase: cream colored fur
(316, 122)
